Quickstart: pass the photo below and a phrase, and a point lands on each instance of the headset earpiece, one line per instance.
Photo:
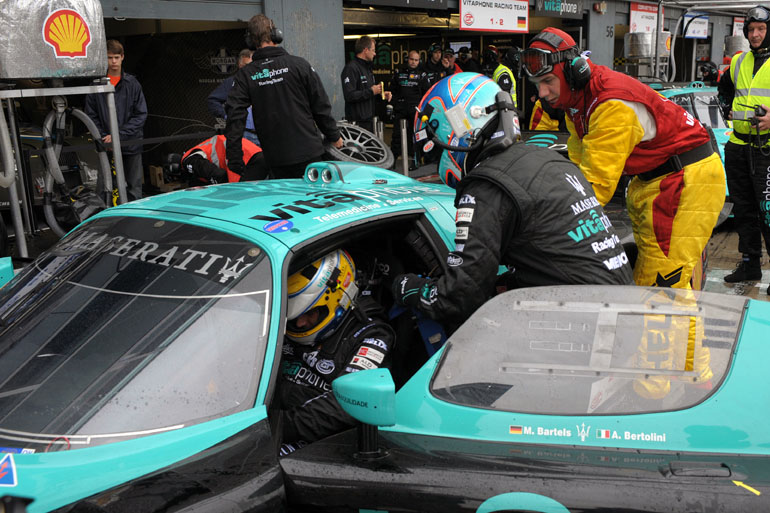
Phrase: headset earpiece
(577, 73)
(276, 36)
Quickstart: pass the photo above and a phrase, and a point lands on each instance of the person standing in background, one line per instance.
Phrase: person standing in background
(359, 87)
(218, 97)
(131, 109)
(291, 101)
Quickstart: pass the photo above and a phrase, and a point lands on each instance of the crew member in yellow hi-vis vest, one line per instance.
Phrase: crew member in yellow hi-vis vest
(745, 93)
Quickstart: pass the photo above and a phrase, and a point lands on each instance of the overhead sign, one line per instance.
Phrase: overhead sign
(643, 17)
(413, 4)
(697, 25)
(560, 8)
(738, 26)
(495, 15)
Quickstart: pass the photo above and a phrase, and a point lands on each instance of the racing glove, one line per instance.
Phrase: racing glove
(407, 288)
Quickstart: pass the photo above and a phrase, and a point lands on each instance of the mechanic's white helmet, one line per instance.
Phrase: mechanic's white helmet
(325, 288)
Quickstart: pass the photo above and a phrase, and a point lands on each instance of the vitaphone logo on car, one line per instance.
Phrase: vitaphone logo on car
(338, 205)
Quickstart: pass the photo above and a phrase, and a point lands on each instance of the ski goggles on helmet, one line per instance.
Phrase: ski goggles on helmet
(758, 13)
(537, 62)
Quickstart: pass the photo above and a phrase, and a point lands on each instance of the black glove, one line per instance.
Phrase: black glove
(407, 288)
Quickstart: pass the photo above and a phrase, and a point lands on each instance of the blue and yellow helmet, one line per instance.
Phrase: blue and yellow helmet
(319, 297)
(457, 110)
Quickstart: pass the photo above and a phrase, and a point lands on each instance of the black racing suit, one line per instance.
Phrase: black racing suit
(748, 177)
(434, 71)
(407, 85)
(288, 102)
(531, 209)
(357, 81)
(363, 341)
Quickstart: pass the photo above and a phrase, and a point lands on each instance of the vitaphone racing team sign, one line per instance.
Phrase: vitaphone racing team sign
(495, 15)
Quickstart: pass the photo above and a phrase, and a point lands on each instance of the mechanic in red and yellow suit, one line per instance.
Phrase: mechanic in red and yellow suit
(620, 126)
(205, 162)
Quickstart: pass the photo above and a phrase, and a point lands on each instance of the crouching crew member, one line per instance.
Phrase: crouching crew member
(206, 161)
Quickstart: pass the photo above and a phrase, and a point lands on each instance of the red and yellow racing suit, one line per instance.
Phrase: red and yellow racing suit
(627, 128)
(540, 120)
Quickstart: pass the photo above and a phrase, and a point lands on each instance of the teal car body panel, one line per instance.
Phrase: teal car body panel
(59, 478)
(700, 428)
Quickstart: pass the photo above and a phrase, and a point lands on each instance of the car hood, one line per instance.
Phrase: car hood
(295, 210)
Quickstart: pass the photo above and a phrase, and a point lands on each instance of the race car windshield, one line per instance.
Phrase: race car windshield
(591, 350)
(130, 326)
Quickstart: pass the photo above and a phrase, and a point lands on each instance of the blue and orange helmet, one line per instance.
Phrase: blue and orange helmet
(457, 110)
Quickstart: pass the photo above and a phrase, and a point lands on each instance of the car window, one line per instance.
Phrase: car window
(590, 350)
(706, 105)
(129, 326)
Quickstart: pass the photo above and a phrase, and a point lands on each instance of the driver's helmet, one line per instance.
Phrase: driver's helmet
(327, 286)
(458, 115)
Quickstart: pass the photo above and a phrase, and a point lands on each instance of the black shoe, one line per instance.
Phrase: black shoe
(746, 270)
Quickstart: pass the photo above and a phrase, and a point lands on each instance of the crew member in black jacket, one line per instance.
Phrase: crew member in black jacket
(408, 85)
(359, 87)
(288, 101)
(521, 206)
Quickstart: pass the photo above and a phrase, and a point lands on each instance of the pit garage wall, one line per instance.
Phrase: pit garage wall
(607, 28)
(312, 28)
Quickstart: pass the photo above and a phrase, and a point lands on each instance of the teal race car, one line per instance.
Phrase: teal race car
(140, 358)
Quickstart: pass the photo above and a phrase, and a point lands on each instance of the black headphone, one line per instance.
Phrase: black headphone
(577, 72)
(276, 36)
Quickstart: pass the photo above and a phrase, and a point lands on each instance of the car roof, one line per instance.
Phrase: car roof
(329, 196)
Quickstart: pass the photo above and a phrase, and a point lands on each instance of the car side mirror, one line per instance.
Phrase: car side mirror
(368, 396)
(6, 270)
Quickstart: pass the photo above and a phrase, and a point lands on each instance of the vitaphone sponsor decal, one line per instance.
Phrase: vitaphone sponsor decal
(587, 228)
(336, 205)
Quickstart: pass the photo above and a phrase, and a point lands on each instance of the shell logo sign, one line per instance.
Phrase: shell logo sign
(67, 33)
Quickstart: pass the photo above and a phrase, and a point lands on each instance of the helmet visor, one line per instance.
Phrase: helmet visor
(536, 62)
(758, 13)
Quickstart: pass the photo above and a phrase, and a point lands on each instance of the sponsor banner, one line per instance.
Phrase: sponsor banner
(495, 15)
(738, 26)
(697, 28)
(561, 8)
(644, 17)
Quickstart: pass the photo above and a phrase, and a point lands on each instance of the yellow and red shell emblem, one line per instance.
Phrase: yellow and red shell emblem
(67, 32)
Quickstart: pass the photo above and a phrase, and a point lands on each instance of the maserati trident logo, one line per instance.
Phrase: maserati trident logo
(574, 182)
(583, 431)
(229, 272)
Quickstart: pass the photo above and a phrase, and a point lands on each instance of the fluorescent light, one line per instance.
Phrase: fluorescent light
(375, 36)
